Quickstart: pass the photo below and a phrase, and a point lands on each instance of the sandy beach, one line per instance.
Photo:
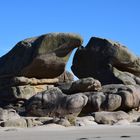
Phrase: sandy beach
(55, 132)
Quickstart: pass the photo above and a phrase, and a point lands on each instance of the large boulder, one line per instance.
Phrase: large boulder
(130, 94)
(113, 97)
(24, 122)
(20, 123)
(99, 101)
(99, 58)
(85, 84)
(110, 117)
(81, 85)
(54, 103)
(40, 57)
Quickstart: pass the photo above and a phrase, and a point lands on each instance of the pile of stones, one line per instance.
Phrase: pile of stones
(35, 88)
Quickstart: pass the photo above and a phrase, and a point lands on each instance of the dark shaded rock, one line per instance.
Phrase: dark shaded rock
(95, 102)
(113, 102)
(40, 57)
(110, 117)
(81, 85)
(113, 97)
(99, 58)
(65, 87)
(45, 66)
(54, 103)
(138, 120)
(99, 101)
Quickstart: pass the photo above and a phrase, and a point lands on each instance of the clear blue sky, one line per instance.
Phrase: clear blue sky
(114, 19)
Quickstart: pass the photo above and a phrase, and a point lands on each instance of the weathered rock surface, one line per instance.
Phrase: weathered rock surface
(24, 122)
(21, 92)
(130, 94)
(17, 89)
(126, 77)
(28, 122)
(122, 122)
(21, 81)
(8, 114)
(113, 97)
(40, 57)
(35, 65)
(81, 85)
(85, 121)
(134, 115)
(99, 58)
(85, 84)
(110, 117)
(54, 103)
(99, 101)
(15, 123)
(33, 81)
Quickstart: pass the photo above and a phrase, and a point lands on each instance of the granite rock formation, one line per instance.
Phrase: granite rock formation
(40, 57)
(113, 97)
(16, 90)
(81, 85)
(108, 61)
(34, 65)
(34, 84)
(54, 103)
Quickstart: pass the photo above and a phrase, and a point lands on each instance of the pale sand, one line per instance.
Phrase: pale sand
(55, 132)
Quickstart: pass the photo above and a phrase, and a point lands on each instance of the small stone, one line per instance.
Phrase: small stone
(62, 121)
(8, 114)
(122, 122)
(21, 123)
(110, 117)
(85, 121)
(138, 120)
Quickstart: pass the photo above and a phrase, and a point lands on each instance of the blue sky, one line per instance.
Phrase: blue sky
(113, 19)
